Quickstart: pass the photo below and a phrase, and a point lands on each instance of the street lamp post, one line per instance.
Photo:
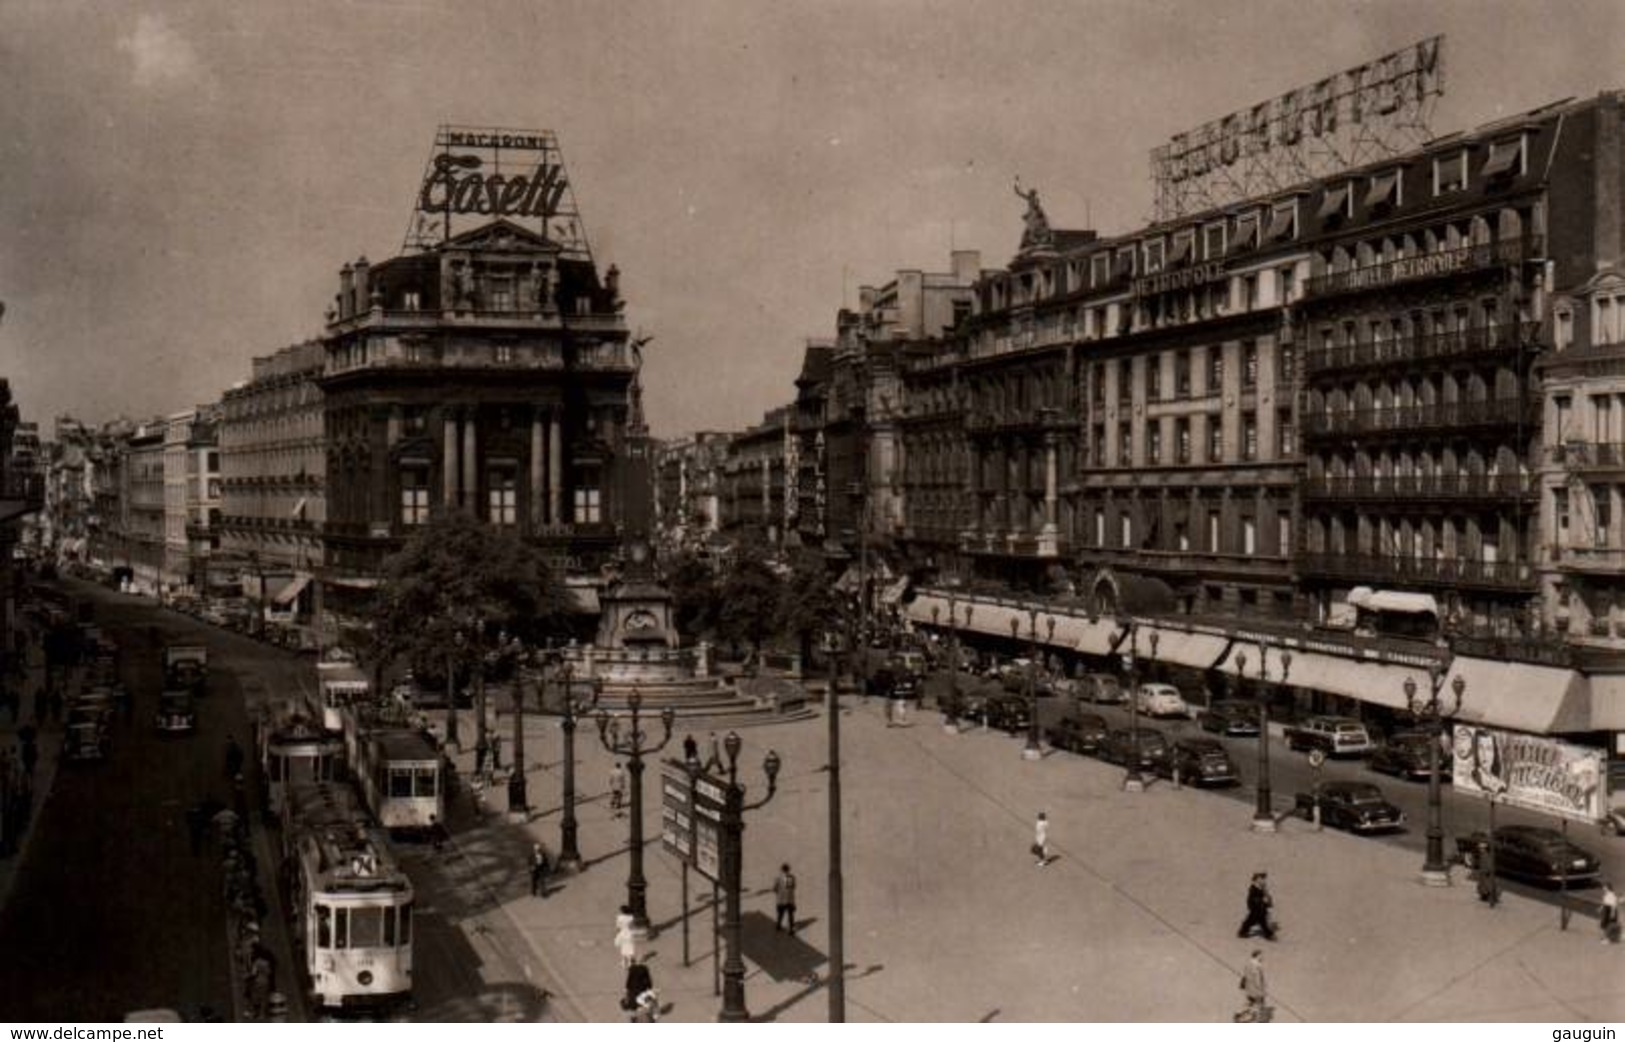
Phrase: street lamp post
(1034, 749)
(633, 745)
(1431, 710)
(733, 828)
(517, 801)
(569, 852)
(837, 882)
(1133, 780)
(1263, 810)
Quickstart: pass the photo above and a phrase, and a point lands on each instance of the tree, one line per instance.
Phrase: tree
(455, 590)
(750, 601)
(694, 593)
(809, 606)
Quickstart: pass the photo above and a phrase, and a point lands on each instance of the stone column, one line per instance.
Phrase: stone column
(471, 481)
(450, 492)
(1050, 482)
(555, 469)
(538, 450)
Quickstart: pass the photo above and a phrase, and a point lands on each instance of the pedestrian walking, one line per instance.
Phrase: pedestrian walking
(713, 759)
(784, 899)
(539, 866)
(638, 981)
(1041, 840)
(1259, 904)
(617, 789)
(1252, 984)
(482, 749)
(691, 749)
(496, 752)
(626, 940)
(1608, 918)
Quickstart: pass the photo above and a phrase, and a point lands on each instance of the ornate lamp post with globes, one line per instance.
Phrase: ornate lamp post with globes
(1129, 630)
(634, 745)
(733, 829)
(1430, 711)
(572, 707)
(1263, 810)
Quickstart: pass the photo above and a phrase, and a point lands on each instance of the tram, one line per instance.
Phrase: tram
(399, 774)
(296, 751)
(340, 686)
(350, 902)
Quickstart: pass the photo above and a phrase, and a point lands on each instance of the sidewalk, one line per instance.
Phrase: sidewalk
(49, 743)
(947, 919)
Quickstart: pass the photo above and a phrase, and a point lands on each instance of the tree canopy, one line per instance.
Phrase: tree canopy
(457, 584)
(750, 600)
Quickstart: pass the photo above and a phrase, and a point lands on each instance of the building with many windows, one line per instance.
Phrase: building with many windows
(688, 487)
(753, 503)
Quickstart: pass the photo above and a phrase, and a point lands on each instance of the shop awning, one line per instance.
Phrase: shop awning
(1196, 650)
(1374, 682)
(1246, 235)
(1519, 696)
(1184, 246)
(1281, 223)
(290, 593)
(918, 610)
(1079, 634)
(894, 593)
(1606, 702)
(1393, 600)
(354, 582)
(848, 582)
(583, 600)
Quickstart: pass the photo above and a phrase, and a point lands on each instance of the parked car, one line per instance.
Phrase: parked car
(1013, 675)
(1201, 761)
(1118, 747)
(1161, 700)
(177, 713)
(1353, 805)
(1008, 712)
(86, 741)
(1614, 821)
(1533, 853)
(1103, 688)
(1332, 735)
(1078, 733)
(1064, 687)
(1231, 718)
(1405, 755)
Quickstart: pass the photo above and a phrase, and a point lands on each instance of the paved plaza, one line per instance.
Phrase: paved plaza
(948, 919)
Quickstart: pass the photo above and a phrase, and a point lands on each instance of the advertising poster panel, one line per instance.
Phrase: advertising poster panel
(1531, 771)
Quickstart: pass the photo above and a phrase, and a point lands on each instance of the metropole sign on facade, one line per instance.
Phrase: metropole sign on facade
(691, 808)
(1526, 770)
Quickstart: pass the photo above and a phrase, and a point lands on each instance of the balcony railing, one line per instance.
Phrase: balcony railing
(1599, 455)
(1445, 571)
(1425, 486)
(1424, 266)
(1608, 560)
(1423, 348)
(1495, 412)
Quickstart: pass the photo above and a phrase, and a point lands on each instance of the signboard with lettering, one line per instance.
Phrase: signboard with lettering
(1334, 123)
(691, 810)
(480, 174)
(1526, 770)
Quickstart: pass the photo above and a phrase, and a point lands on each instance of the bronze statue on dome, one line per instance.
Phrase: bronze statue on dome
(1037, 232)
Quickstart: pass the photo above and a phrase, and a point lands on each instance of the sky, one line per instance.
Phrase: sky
(181, 181)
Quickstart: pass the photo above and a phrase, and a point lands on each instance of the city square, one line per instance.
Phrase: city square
(746, 554)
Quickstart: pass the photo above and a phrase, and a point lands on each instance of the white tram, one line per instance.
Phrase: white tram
(296, 751)
(350, 902)
(399, 772)
(340, 686)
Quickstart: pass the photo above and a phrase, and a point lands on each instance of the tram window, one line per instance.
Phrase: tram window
(425, 778)
(406, 925)
(324, 926)
(325, 767)
(389, 927)
(367, 927)
(400, 781)
(341, 928)
(300, 770)
(276, 768)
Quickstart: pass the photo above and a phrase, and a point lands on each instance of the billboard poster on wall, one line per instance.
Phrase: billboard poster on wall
(1530, 771)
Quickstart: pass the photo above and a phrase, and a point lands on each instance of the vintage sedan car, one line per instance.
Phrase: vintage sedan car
(1614, 821)
(1533, 853)
(1118, 747)
(1102, 688)
(1231, 718)
(1332, 735)
(1353, 805)
(177, 713)
(1078, 733)
(1008, 712)
(1161, 700)
(86, 741)
(1405, 755)
(1201, 761)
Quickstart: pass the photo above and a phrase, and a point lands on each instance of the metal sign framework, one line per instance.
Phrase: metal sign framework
(478, 174)
(1373, 111)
